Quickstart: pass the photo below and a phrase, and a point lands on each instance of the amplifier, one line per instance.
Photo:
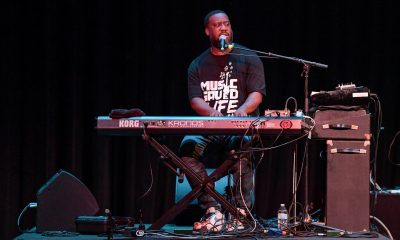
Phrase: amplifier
(347, 185)
(342, 124)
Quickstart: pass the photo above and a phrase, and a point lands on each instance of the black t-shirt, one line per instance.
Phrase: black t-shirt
(224, 82)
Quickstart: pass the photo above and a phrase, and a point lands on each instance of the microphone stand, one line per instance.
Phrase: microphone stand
(110, 224)
(306, 218)
(305, 74)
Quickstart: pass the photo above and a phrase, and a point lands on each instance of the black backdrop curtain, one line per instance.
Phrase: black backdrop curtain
(65, 62)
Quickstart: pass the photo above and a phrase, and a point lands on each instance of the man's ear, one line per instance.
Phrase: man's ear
(207, 32)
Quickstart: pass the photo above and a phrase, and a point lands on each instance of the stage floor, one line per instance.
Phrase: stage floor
(171, 231)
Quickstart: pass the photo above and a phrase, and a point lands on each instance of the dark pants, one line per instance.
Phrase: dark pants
(198, 151)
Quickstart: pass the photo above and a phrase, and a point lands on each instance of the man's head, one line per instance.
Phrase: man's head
(216, 23)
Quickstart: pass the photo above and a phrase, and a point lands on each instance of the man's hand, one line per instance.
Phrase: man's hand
(252, 101)
(240, 113)
(202, 108)
(215, 113)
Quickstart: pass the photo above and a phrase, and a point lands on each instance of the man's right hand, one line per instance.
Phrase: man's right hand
(215, 113)
(202, 108)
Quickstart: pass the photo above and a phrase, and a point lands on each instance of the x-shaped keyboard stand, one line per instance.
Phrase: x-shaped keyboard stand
(200, 186)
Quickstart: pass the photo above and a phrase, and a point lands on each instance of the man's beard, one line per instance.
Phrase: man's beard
(216, 44)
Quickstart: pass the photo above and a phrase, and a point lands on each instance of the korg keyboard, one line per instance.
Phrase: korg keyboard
(199, 125)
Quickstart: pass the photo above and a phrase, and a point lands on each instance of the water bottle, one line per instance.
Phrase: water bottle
(282, 217)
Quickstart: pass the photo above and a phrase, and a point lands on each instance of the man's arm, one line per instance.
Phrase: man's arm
(253, 100)
(202, 108)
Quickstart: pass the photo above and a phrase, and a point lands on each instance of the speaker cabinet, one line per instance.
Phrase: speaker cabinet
(347, 194)
(387, 210)
(60, 200)
(340, 125)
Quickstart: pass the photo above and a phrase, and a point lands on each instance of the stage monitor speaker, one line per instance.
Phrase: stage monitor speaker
(347, 196)
(60, 200)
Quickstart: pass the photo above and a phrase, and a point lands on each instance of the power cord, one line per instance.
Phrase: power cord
(295, 103)
(383, 225)
(390, 150)
(30, 205)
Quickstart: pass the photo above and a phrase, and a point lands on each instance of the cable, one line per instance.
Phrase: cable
(390, 149)
(30, 205)
(295, 103)
(383, 225)
(252, 131)
(252, 150)
(241, 195)
(255, 137)
(254, 168)
(151, 183)
(360, 235)
(299, 178)
(270, 146)
(378, 114)
(274, 147)
(306, 134)
(59, 234)
(182, 236)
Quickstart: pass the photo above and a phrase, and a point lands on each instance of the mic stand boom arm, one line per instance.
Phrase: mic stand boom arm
(299, 60)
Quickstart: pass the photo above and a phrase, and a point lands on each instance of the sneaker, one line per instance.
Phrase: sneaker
(236, 224)
(212, 221)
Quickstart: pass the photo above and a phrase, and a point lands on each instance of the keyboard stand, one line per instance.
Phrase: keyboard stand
(201, 186)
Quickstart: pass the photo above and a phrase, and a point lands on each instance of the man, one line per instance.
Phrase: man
(223, 81)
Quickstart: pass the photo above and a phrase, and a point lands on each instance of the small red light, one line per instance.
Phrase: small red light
(286, 124)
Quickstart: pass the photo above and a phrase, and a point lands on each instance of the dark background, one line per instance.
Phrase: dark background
(65, 62)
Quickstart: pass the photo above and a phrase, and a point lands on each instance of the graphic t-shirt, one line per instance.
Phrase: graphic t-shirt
(224, 82)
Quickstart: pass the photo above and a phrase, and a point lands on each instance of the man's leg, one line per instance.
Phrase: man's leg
(243, 179)
(192, 149)
(242, 172)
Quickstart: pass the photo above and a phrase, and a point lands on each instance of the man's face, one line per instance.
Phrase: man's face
(219, 24)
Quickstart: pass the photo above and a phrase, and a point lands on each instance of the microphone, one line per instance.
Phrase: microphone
(222, 41)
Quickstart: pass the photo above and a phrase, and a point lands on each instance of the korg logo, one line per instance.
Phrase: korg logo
(128, 123)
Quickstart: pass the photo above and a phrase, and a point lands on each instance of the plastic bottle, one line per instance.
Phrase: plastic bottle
(282, 217)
